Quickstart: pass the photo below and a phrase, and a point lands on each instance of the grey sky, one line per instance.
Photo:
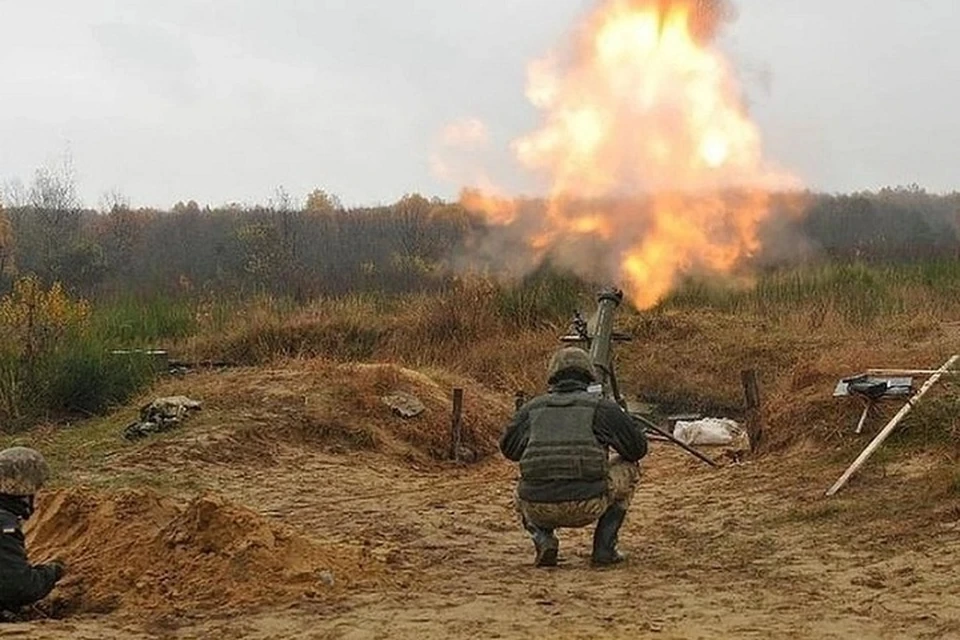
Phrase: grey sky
(225, 100)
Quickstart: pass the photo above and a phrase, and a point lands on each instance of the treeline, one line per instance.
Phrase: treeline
(321, 248)
(303, 252)
(901, 224)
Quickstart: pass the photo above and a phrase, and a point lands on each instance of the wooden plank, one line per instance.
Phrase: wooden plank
(908, 372)
(888, 429)
(751, 394)
(456, 424)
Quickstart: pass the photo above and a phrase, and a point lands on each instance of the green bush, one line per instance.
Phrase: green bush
(87, 378)
(54, 360)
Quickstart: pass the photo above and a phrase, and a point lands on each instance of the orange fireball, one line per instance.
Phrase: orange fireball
(646, 109)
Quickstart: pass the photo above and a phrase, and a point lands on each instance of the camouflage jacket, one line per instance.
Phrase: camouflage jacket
(612, 427)
(20, 583)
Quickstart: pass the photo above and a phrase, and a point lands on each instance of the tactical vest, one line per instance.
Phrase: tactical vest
(562, 445)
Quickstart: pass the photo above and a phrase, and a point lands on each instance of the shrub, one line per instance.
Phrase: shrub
(50, 359)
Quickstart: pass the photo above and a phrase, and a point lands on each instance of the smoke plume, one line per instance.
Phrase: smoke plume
(651, 165)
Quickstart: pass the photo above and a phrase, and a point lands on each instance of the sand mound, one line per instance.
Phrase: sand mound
(136, 550)
(248, 412)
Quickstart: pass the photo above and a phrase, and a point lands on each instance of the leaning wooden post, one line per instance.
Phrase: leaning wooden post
(887, 430)
(455, 424)
(751, 394)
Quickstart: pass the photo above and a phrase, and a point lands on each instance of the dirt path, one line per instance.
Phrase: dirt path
(748, 551)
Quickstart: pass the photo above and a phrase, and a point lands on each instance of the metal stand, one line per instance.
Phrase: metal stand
(872, 389)
(867, 408)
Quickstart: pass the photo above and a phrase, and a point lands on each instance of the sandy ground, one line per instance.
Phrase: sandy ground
(746, 551)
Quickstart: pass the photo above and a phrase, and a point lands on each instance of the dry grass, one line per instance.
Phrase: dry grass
(683, 358)
(303, 383)
(464, 331)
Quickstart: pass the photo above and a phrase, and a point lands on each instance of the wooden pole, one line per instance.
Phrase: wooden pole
(751, 395)
(455, 425)
(671, 438)
(907, 372)
(887, 430)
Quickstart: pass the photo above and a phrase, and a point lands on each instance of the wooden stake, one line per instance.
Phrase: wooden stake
(751, 394)
(887, 430)
(456, 424)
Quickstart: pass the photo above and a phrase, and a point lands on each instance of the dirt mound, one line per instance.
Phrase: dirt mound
(248, 412)
(138, 551)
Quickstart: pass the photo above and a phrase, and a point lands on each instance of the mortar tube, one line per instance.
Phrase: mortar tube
(600, 342)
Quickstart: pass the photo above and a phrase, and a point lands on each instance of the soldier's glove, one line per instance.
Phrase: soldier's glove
(59, 569)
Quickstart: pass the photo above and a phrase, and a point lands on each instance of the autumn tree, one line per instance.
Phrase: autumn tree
(121, 232)
(186, 207)
(269, 237)
(320, 201)
(260, 244)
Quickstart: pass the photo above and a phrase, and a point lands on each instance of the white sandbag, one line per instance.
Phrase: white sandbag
(709, 431)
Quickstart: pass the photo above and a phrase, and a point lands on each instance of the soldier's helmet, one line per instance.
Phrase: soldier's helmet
(570, 360)
(22, 471)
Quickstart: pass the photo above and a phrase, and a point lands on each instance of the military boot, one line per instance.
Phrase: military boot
(546, 543)
(547, 548)
(605, 537)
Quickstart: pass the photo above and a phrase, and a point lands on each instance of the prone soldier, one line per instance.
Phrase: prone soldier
(23, 472)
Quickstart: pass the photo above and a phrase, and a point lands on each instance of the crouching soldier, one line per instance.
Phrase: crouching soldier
(567, 479)
(22, 472)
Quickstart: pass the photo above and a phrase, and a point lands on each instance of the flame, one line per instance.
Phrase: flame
(646, 109)
(498, 209)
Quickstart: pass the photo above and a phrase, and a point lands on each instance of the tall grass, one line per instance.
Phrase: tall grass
(55, 355)
(142, 322)
(495, 331)
(542, 298)
(856, 294)
(87, 379)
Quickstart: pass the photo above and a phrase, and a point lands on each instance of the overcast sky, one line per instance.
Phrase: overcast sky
(221, 100)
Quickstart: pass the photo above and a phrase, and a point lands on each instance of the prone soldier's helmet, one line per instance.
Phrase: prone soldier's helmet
(569, 360)
(22, 471)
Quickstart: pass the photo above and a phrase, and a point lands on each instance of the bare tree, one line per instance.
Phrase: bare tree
(281, 200)
(114, 200)
(13, 193)
(6, 244)
(54, 188)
